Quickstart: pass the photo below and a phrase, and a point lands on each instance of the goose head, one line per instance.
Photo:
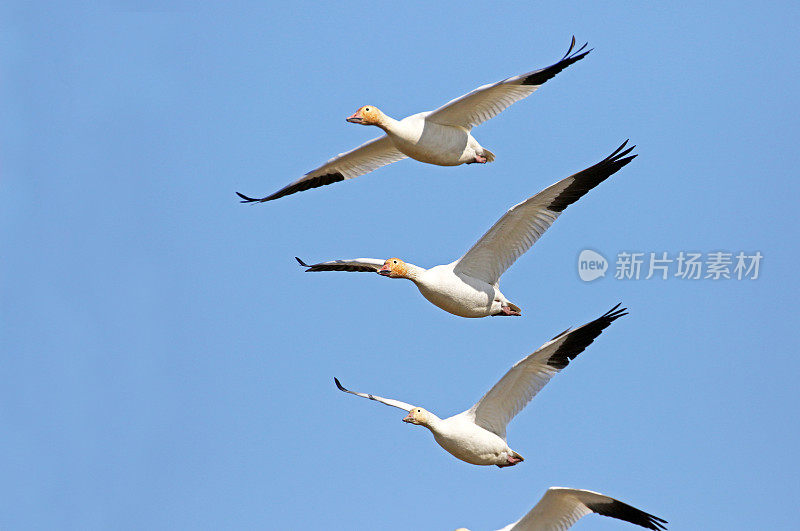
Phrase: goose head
(367, 115)
(418, 416)
(394, 268)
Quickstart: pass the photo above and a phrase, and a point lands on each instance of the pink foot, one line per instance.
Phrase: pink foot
(511, 460)
(508, 311)
(480, 160)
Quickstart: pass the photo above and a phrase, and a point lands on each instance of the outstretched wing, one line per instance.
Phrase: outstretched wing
(560, 508)
(488, 101)
(365, 265)
(387, 401)
(530, 374)
(523, 224)
(363, 159)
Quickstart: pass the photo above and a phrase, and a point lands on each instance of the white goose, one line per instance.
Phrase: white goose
(469, 287)
(439, 137)
(560, 508)
(478, 435)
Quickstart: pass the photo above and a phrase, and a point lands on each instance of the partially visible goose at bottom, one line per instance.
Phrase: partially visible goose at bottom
(469, 287)
(440, 137)
(478, 435)
(560, 508)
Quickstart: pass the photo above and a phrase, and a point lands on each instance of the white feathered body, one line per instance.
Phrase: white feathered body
(459, 294)
(426, 141)
(469, 442)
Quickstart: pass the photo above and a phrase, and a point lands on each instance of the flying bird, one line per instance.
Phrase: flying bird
(560, 508)
(439, 137)
(469, 287)
(478, 435)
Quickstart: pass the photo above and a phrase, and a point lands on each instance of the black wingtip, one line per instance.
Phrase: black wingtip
(570, 54)
(627, 513)
(658, 523)
(310, 268)
(585, 180)
(246, 199)
(571, 46)
(577, 340)
(618, 153)
(615, 313)
(339, 385)
(539, 77)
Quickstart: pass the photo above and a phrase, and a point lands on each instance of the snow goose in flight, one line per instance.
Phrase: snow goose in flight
(560, 508)
(478, 435)
(469, 287)
(439, 137)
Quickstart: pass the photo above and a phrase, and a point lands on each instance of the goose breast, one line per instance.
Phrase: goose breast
(458, 294)
(425, 141)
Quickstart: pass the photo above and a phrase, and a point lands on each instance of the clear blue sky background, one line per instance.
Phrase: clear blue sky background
(166, 363)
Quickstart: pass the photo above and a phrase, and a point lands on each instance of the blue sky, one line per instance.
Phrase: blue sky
(166, 363)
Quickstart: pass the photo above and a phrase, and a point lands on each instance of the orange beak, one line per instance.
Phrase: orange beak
(356, 118)
(385, 270)
(408, 418)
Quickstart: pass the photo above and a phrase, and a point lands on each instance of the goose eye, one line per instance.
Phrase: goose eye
(366, 109)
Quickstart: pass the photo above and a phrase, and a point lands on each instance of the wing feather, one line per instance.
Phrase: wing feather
(488, 101)
(519, 228)
(530, 374)
(364, 265)
(560, 508)
(387, 401)
(363, 159)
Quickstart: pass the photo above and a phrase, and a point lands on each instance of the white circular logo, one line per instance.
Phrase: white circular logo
(591, 265)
